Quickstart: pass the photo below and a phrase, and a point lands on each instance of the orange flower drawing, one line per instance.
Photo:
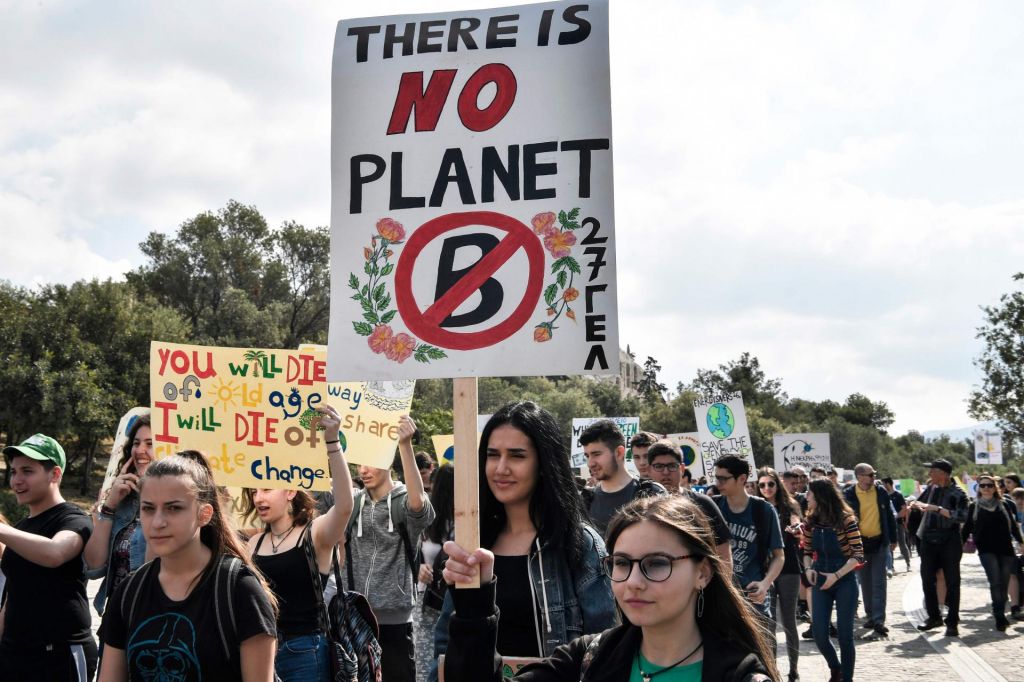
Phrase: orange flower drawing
(391, 230)
(571, 294)
(542, 333)
(367, 253)
(544, 223)
(401, 347)
(559, 243)
(380, 339)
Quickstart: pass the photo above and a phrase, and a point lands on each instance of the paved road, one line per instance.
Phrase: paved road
(981, 653)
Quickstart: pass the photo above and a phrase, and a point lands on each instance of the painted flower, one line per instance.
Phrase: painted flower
(559, 243)
(571, 294)
(400, 347)
(367, 253)
(551, 311)
(380, 339)
(544, 223)
(391, 230)
(542, 333)
(388, 253)
(570, 314)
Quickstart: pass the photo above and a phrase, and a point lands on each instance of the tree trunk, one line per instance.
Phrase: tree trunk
(87, 468)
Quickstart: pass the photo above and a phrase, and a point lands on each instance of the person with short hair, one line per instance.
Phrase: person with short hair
(666, 462)
(638, 446)
(899, 505)
(605, 449)
(944, 507)
(818, 472)
(45, 619)
(877, 521)
(686, 479)
(801, 478)
(426, 466)
(757, 548)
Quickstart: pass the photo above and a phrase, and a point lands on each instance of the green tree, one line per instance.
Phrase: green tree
(859, 409)
(1001, 394)
(649, 387)
(746, 377)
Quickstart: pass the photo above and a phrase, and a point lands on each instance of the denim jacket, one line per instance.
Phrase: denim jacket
(125, 513)
(569, 603)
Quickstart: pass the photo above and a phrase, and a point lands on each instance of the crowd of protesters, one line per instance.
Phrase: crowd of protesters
(644, 573)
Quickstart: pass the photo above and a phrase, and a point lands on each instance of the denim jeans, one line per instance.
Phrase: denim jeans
(997, 569)
(873, 583)
(844, 596)
(303, 659)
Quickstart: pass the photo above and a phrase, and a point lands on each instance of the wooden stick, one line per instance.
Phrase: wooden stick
(467, 474)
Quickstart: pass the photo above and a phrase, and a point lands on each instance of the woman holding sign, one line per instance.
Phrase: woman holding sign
(553, 588)
(686, 619)
(294, 553)
(117, 547)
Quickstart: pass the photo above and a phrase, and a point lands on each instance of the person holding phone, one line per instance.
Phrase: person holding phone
(832, 549)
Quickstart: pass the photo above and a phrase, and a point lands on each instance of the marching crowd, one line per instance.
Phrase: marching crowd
(622, 577)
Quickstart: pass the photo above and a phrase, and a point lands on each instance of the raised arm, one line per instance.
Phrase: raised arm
(329, 529)
(413, 483)
(97, 550)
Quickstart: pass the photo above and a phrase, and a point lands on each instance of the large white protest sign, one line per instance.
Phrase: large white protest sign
(801, 449)
(628, 425)
(988, 447)
(722, 425)
(472, 218)
(689, 446)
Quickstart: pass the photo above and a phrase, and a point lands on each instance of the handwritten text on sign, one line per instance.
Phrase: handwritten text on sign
(722, 425)
(252, 411)
(472, 195)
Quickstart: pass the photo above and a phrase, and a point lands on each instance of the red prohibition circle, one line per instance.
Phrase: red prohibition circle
(426, 324)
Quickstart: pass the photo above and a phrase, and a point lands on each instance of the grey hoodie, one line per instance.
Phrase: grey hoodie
(379, 565)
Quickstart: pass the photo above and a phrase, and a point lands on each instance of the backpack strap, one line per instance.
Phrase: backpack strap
(403, 532)
(590, 654)
(132, 590)
(306, 538)
(225, 579)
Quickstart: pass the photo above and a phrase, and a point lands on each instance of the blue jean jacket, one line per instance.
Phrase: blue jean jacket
(579, 602)
(125, 513)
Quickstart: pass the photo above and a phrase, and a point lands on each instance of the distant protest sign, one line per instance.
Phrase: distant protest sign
(251, 410)
(444, 444)
(689, 446)
(628, 425)
(472, 213)
(808, 450)
(369, 416)
(124, 427)
(988, 447)
(722, 425)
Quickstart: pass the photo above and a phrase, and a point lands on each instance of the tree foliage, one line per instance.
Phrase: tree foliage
(1001, 394)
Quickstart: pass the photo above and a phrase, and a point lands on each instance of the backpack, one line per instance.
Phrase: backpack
(225, 579)
(351, 627)
(397, 517)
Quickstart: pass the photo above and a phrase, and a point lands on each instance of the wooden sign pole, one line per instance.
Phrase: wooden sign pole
(467, 473)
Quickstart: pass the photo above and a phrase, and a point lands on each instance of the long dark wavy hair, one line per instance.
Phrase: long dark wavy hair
(726, 613)
(220, 534)
(126, 451)
(442, 499)
(830, 510)
(784, 503)
(555, 507)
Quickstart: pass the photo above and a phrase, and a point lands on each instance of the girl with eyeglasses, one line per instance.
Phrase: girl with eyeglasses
(787, 585)
(992, 521)
(682, 618)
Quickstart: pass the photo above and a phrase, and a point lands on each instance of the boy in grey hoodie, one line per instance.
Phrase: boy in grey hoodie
(383, 537)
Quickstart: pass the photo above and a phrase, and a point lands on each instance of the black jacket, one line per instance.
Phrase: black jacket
(471, 655)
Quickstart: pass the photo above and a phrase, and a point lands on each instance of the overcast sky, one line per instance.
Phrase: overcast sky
(834, 187)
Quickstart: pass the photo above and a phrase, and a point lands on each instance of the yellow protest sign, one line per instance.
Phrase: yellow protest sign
(369, 416)
(252, 411)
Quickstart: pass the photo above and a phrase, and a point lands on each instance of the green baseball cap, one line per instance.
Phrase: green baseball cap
(40, 447)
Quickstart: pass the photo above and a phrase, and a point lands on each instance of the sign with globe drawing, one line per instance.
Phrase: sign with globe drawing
(722, 425)
(801, 449)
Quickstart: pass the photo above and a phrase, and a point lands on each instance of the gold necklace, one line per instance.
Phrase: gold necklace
(281, 537)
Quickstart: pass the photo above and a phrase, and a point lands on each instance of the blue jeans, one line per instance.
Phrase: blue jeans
(303, 659)
(873, 583)
(998, 569)
(829, 559)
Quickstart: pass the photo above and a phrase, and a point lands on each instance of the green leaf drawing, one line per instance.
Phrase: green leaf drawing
(387, 270)
(384, 302)
(367, 306)
(388, 316)
(362, 328)
(562, 277)
(366, 268)
(353, 281)
(371, 318)
(574, 214)
(365, 290)
(378, 291)
(550, 293)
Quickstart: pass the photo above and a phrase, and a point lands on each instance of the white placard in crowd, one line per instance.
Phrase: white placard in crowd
(472, 216)
(689, 444)
(988, 447)
(722, 425)
(801, 449)
(628, 425)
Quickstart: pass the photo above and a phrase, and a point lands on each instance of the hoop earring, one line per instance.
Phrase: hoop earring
(700, 602)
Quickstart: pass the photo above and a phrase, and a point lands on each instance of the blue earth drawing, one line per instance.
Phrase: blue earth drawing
(689, 455)
(721, 420)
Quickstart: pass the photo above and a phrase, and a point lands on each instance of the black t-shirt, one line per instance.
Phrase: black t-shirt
(517, 627)
(713, 514)
(604, 505)
(180, 639)
(898, 501)
(48, 605)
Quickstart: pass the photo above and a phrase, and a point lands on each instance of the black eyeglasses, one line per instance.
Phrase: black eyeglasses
(986, 485)
(766, 484)
(656, 567)
(723, 478)
(665, 466)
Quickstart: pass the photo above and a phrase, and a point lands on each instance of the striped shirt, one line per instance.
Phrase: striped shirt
(849, 539)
